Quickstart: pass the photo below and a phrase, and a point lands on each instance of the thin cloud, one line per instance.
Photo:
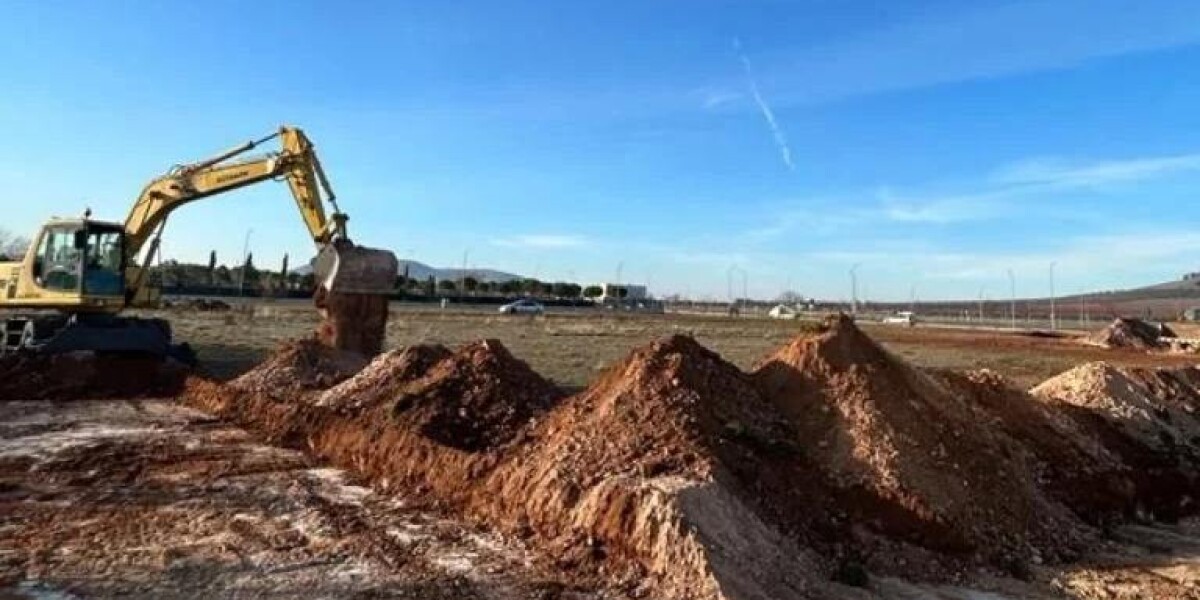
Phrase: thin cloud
(944, 210)
(544, 241)
(719, 98)
(785, 152)
(1058, 173)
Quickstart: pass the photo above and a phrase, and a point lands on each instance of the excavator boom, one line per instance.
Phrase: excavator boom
(341, 266)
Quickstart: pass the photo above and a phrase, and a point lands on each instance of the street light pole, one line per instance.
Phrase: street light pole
(245, 259)
(1053, 320)
(981, 305)
(729, 283)
(462, 276)
(1012, 300)
(854, 289)
(745, 292)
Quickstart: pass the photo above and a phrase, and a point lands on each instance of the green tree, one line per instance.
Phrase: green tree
(563, 289)
(430, 286)
(447, 285)
(511, 286)
(592, 291)
(531, 286)
(212, 267)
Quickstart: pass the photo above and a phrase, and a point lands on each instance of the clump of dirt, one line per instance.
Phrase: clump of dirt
(87, 375)
(1131, 333)
(352, 322)
(480, 397)
(1068, 462)
(299, 366)
(938, 476)
(1147, 417)
(382, 379)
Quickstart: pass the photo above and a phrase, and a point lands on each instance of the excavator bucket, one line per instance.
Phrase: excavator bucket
(353, 288)
(344, 268)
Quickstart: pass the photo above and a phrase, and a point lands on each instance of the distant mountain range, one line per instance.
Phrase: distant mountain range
(420, 270)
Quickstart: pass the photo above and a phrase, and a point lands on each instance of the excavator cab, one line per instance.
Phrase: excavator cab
(79, 258)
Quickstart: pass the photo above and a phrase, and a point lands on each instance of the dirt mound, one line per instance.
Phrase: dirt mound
(299, 366)
(671, 466)
(1148, 417)
(942, 478)
(1130, 333)
(478, 398)
(380, 380)
(86, 375)
(663, 475)
(1068, 462)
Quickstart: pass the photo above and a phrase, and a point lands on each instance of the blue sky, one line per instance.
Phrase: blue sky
(935, 143)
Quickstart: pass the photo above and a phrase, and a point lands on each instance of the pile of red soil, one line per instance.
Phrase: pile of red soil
(942, 478)
(1068, 462)
(382, 379)
(1130, 333)
(478, 398)
(685, 477)
(299, 366)
(1147, 417)
(671, 468)
(86, 375)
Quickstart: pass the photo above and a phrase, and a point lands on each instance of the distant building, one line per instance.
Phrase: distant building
(616, 292)
(1191, 314)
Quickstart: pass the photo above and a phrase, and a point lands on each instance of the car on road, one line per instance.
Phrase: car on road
(903, 317)
(524, 306)
(783, 311)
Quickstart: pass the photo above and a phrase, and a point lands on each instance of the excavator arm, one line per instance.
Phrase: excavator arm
(341, 266)
(297, 163)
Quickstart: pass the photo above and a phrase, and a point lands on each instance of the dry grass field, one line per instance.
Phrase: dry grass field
(571, 348)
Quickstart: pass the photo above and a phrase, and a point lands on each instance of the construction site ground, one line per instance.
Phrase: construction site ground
(572, 348)
(146, 497)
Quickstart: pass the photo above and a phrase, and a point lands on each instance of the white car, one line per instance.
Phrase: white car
(903, 317)
(783, 311)
(524, 306)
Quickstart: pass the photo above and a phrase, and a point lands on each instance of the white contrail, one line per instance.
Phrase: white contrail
(780, 140)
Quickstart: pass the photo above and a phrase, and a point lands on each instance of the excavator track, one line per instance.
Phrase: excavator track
(102, 334)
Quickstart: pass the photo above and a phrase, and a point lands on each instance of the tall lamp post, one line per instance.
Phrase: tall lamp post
(854, 289)
(1012, 300)
(245, 260)
(1053, 319)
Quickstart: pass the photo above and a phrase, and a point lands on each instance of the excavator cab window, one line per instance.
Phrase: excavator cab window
(103, 271)
(57, 263)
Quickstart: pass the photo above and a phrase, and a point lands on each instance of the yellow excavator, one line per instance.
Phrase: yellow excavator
(78, 274)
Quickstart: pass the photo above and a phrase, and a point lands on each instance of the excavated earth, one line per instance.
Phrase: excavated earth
(830, 470)
(677, 475)
(1125, 332)
(86, 374)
